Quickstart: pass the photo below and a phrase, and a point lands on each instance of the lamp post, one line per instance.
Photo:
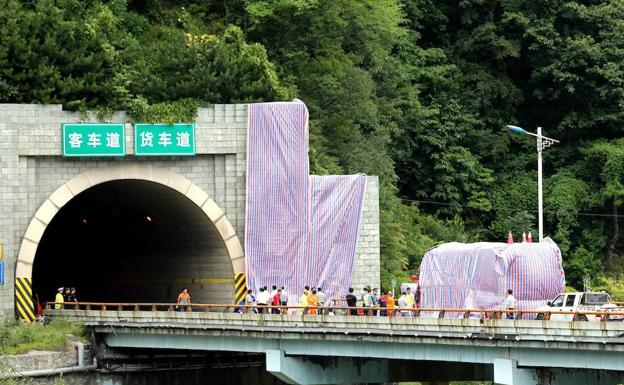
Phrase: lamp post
(542, 143)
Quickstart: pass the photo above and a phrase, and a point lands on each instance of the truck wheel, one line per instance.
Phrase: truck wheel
(583, 317)
(540, 317)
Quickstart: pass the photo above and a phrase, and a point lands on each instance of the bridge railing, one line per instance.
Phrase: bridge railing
(339, 310)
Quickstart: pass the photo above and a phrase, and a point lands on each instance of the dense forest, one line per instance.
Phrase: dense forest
(415, 91)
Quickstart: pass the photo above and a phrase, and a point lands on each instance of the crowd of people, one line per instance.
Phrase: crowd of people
(313, 301)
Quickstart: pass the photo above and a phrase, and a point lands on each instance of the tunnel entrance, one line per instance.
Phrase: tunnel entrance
(132, 241)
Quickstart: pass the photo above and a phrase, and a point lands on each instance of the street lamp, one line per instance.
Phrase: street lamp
(542, 143)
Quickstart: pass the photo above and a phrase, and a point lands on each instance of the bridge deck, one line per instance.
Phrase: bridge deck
(500, 332)
(528, 344)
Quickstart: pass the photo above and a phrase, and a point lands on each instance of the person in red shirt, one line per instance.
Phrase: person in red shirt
(277, 301)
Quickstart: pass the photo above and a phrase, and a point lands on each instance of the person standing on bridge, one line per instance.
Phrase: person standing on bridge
(249, 301)
(321, 299)
(352, 302)
(390, 303)
(276, 302)
(383, 303)
(510, 304)
(375, 302)
(263, 299)
(67, 294)
(184, 300)
(72, 295)
(403, 304)
(59, 299)
(410, 297)
(313, 302)
(284, 297)
(367, 300)
(303, 301)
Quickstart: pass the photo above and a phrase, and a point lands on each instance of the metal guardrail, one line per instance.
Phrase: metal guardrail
(344, 310)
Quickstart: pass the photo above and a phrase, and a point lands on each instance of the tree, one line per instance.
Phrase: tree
(61, 52)
(609, 156)
(208, 68)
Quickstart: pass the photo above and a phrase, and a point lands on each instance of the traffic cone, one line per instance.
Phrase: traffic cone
(529, 238)
(524, 240)
(510, 238)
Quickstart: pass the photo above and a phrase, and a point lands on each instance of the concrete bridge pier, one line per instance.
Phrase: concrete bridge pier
(331, 370)
(507, 372)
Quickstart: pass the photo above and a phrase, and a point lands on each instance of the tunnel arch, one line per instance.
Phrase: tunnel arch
(152, 180)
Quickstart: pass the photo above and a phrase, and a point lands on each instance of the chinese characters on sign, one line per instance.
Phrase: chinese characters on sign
(105, 139)
(162, 139)
(94, 139)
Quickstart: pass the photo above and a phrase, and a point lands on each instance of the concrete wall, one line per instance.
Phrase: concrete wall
(39, 360)
(367, 270)
(32, 167)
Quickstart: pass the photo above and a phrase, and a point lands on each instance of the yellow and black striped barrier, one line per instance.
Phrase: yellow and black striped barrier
(23, 299)
(240, 287)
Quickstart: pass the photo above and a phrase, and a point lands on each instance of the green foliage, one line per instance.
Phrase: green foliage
(179, 111)
(61, 52)
(415, 91)
(173, 65)
(20, 338)
(566, 197)
(613, 286)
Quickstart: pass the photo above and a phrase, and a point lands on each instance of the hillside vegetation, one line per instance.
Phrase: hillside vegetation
(21, 338)
(415, 91)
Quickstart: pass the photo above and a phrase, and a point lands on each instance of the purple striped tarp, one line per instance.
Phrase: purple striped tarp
(478, 275)
(336, 207)
(535, 274)
(299, 229)
(277, 212)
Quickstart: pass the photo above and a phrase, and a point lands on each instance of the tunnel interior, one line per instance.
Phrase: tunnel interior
(132, 241)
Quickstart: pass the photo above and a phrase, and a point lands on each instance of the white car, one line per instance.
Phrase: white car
(580, 301)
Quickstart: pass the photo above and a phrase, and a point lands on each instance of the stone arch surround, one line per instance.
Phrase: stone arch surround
(76, 185)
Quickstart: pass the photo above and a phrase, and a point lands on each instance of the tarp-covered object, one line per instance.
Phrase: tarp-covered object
(478, 275)
(299, 229)
(334, 229)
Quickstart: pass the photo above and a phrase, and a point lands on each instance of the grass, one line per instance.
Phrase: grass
(18, 338)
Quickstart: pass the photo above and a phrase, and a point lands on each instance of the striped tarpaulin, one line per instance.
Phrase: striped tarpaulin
(335, 217)
(477, 275)
(299, 230)
(535, 274)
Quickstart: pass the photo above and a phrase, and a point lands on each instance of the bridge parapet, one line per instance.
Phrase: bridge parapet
(328, 348)
(490, 332)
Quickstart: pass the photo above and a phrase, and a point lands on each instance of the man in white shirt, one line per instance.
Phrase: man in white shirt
(321, 299)
(510, 304)
(404, 303)
(263, 298)
(284, 297)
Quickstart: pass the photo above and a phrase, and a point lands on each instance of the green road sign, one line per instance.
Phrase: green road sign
(94, 139)
(163, 139)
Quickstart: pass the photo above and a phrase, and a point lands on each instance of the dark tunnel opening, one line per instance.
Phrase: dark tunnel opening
(132, 241)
